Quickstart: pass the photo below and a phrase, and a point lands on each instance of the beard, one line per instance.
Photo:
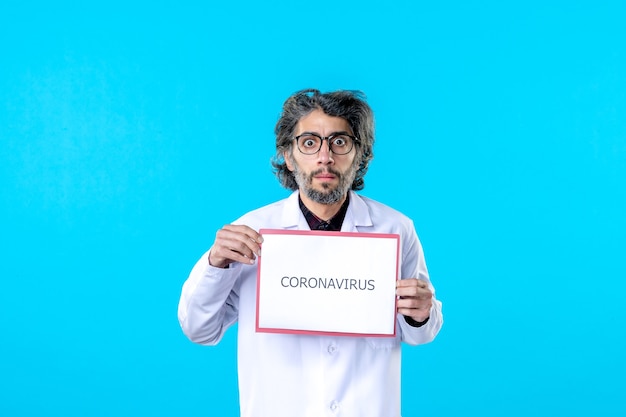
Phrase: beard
(329, 194)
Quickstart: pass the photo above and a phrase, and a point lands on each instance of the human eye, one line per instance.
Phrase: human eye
(309, 142)
(340, 141)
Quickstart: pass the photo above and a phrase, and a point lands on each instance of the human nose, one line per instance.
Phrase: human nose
(324, 155)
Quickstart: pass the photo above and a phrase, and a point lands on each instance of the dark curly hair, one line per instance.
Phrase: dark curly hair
(347, 104)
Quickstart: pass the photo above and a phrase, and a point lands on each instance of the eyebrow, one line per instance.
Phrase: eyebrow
(341, 132)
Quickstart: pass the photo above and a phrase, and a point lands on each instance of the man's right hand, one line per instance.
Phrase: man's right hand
(235, 243)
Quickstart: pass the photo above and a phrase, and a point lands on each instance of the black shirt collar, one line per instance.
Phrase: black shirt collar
(334, 224)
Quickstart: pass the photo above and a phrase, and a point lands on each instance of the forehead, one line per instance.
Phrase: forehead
(319, 122)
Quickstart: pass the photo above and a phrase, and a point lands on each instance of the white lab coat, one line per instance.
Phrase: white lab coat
(289, 375)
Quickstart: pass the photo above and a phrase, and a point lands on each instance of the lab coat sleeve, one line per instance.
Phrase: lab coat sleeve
(414, 266)
(209, 302)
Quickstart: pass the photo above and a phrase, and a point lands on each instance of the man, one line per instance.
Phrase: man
(323, 149)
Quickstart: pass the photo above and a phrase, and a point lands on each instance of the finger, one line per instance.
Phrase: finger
(419, 311)
(235, 243)
(413, 288)
(240, 238)
(411, 282)
(414, 304)
(237, 247)
(245, 230)
(223, 253)
(414, 292)
(414, 312)
(417, 315)
(416, 295)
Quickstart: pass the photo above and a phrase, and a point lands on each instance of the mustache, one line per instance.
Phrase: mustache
(327, 170)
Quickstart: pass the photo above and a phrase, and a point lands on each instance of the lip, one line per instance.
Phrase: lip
(325, 177)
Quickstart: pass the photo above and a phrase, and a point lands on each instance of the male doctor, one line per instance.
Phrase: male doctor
(324, 145)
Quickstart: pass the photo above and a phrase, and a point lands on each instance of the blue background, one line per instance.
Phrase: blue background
(131, 131)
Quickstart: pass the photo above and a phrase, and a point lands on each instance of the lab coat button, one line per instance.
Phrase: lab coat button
(334, 406)
(332, 349)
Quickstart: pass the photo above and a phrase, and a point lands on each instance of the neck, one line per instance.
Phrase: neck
(322, 211)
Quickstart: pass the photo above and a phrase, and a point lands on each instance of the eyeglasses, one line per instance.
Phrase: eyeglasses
(339, 143)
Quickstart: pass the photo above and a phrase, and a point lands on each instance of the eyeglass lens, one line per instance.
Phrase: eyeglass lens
(311, 144)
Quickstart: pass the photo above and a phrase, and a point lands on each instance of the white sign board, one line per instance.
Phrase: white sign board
(327, 283)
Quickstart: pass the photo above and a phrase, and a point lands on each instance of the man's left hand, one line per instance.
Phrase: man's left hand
(415, 300)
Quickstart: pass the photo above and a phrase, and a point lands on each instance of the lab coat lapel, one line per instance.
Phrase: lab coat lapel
(292, 217)
(357, 215)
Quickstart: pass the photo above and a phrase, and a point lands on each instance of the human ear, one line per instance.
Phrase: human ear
(287, 158)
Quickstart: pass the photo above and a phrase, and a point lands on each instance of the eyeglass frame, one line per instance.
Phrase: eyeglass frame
(328, 138)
